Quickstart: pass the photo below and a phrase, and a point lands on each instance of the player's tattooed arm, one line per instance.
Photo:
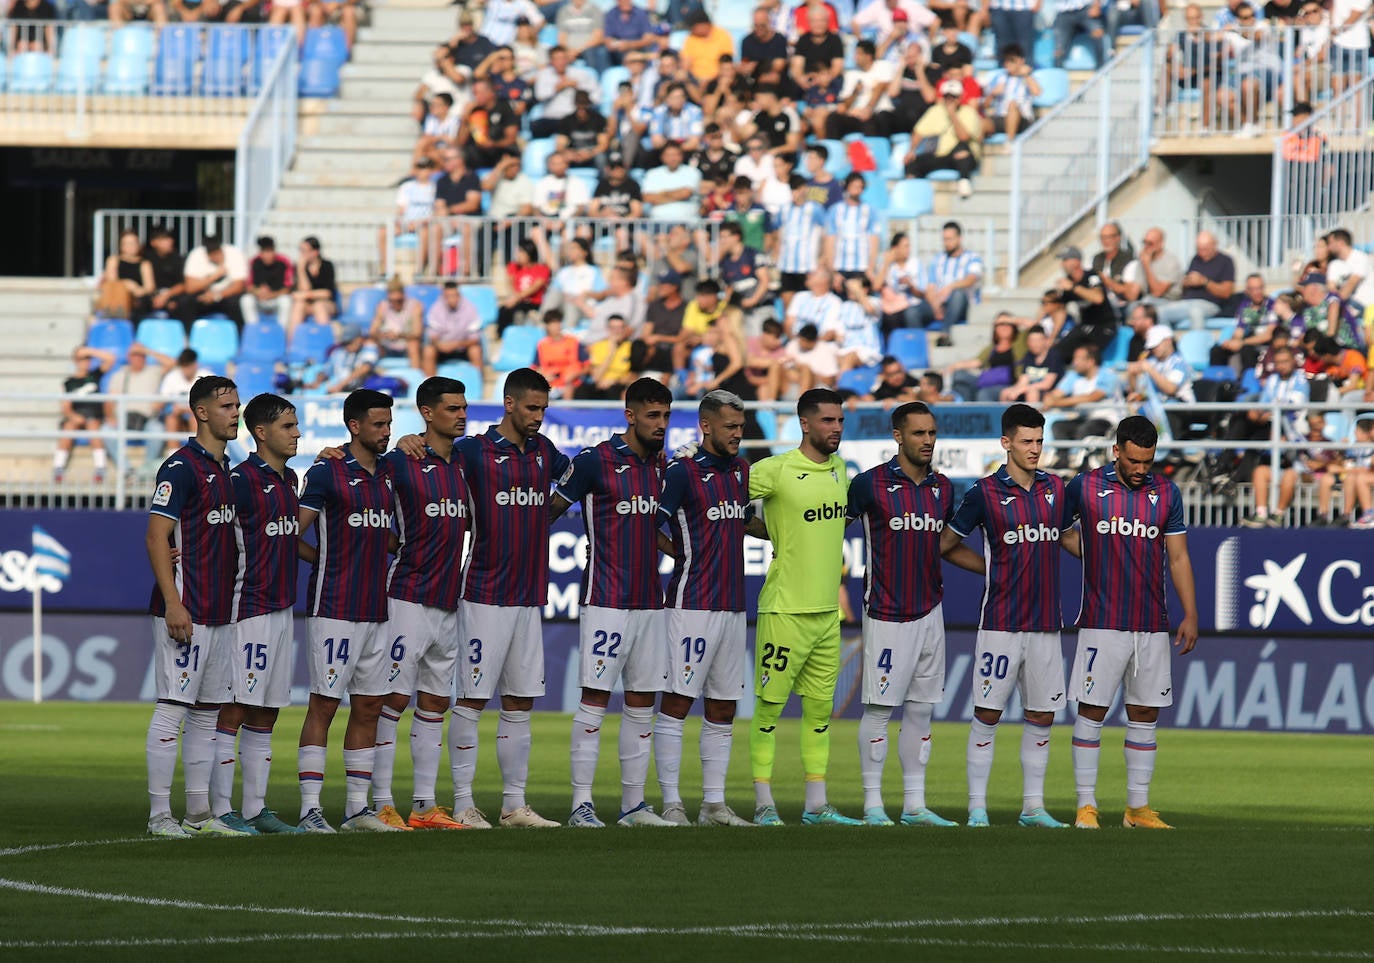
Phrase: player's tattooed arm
(756, 528)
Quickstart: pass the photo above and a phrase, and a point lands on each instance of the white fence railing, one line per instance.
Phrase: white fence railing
(1070, 161)
(1205, 78)
(188, 229)
(138, 83)
(268, 142)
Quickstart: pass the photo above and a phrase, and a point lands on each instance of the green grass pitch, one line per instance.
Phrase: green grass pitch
(1273, 858)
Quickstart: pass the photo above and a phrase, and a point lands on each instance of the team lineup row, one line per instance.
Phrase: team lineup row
(398, 612)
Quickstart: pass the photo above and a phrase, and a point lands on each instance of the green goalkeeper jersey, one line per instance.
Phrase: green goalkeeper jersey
(804, 509)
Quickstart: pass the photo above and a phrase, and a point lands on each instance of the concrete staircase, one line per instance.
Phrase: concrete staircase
(343, 182)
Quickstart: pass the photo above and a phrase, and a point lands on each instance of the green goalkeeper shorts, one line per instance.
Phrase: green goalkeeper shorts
(796, 653)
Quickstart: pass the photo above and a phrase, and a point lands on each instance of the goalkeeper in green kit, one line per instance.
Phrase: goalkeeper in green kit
(797, 642)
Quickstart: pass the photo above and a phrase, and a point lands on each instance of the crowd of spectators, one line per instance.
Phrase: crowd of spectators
(300, 14)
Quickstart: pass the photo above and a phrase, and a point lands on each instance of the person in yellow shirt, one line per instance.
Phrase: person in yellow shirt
(608, 364)
(957, 133)
(703, 310)
(702, 50)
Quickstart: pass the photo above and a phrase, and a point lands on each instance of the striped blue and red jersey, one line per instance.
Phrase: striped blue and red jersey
(356, 511)
(1125, 563)
(508, 504)
(902, 522)
(705, 502)
(431, 523)
(193, 489)
(267, 529)
(619, 494)
(1021, 529)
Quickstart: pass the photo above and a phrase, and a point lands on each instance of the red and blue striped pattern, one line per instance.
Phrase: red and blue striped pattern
(267, 532)
(706, 504)
(902, 523)
(431, 523)
(356, 511)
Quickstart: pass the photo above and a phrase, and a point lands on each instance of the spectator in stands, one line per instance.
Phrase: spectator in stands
(617, 196)
(704, 46)
(414, 212)
(512, 199)
(819, 47)
(489, 129)
(271, 278)
(1111, 262)
(87, 10)
(895, 384)
(743, 275)
(1088, 395)
(398, 326)
(1207, 286)
(130, 269)
(1255, 323)
(1314, 54)
(1321, 257)
(1357, 476)
(1285, 313)
(559, 356)
(281, 11)
(947, 137)
(507, 83)
(319, 13)
(850, 244)
(458, 58)
(435, 81)
(817, 305)
(608, 363)
(677, 252)
(169, 274)
(822, 186)
(865, 104)
(932, 390)
(124, 11)
(812, 361)
(954, 280)
(1080, 286)
(620, 299)
(763, 49)
(1322, 464)
(1194, 62)
(703, 310)
(1141, 319)
(1037, 371)
(216, 276)
(716, 160)
(439, 129)
(1287, 385)
(529, 53)
(950, 59)
(453, 331)
(776, 123)
(176, 388)
(903, 279)
(756, 163)
(662, 343)
(676, 121)
(1011, 96)
(584, 136)
(673, 188)
(1350, 275)
(499, 19)
(1130, 13)
(581, 31)
(1052, 317)
(821, 97)
(1160, 377)
(574, 279)
(138, 377)
(1321, 309)
(1155, 276)
(1350, 43)
(1075, 18)
(529, 279)
(351, 362)
(556, 87)
(909, 18)
(78, 415)
(628, 29)
(796, 243)
(1345, 369)
(859, 331)
(1256, 70)
(985, 376)
(558, 195)
(764, 358)
(317, 291)
(912, 91)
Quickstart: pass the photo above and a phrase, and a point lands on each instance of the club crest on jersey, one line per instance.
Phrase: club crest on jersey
(331, 677)
(936, 490)
(834, 476)
(476, 675)
(763, 682)
(600, 668)
(252, 681)
(738, 476)
(163, 493)
(1088, 685)
(1153, 497)
(184, 681)
(688, 674)
(883, 685)
(395, 671)
(987, 687)
(1049, 498)
(539, 460)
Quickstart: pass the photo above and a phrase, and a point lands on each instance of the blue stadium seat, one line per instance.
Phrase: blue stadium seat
(85, 39)
(881, 149)
(133, 40)
(587, 175)
(1116, 351)
(319, 78)
(1249, 382)
(227, 52)
(78, 71)
(518, 347)
(263, 342)
(254, 378)
(909, 346)
(611, 80)
(1043, 54)
(413, 377)
(837, 163)
(1054, 86)
(1219, 372)
(536, 157)
(215, 340)
(111, 334)
(162, 335)
(362, 304)
(548, 35)
(310, 343)
(875, 193)
(426, 294)
(859, 380)
(911, 197)
(483, 297)
(1196, 347)
(1080, 57)
(178, 49)
(735, 16)
(325, 43)
(466, 372)
(126, 74)
(943, 175)
(270, 40)
(4, 72)
(31, 73)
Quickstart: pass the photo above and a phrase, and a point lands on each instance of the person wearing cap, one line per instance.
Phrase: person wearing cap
(705, 43)
(629, 29)
(271, 277)
(1082, 287)
(1160, 377)
(459, 57)
(1207, 285)
(584, 136)
(351, 362)
(957, 135)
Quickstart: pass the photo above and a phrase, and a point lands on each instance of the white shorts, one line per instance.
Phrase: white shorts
(195, 671)
(1138, 661)
(347, 657)
(706, 654)
(622, 643)
(1031, 661)
(904, 661)
(262, 659)
(500, 645)
(427, 638)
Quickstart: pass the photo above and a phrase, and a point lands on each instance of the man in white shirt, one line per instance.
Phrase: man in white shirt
(674, 189)
(1349, 43)
(216, 277)
(414, 209)
(558, 195)
(555, 87)
(865, 107)
(499, 17)
(176, 388)
(1350, 274)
